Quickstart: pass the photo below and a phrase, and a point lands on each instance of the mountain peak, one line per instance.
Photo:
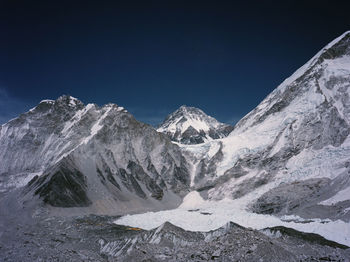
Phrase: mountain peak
(69, 100)
(189, 111)
(185, 108)
(62, 104)
(190, 125)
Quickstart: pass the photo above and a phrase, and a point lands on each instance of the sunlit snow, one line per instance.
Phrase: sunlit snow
(196, 214)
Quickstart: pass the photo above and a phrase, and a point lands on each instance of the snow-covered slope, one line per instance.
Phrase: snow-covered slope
(285, 164)
(300, 131)
(115, 163)
(190, 125)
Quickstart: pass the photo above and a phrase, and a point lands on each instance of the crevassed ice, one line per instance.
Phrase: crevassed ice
(189, 217)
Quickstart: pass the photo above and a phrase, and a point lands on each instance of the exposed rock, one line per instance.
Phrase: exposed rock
(288, 197)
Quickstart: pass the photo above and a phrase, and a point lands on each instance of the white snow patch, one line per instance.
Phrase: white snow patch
(73, 101)
(342, 195)
(47, 101)
(94, 130)
(192, 200)
(197, 123)
(214, 148)
(20, 180)
(96, 127)
(76, 118)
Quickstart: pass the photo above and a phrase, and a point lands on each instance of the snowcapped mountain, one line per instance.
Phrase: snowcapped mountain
(298, 134)
(190, 125)
(285, 164)
(99, 158)
(296, 139)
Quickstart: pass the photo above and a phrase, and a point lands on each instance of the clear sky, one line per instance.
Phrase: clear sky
(153, 56)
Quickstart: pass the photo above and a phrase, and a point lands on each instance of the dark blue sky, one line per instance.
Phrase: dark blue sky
(153, 56)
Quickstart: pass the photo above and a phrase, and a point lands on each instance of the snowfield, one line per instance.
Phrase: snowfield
(196, 214)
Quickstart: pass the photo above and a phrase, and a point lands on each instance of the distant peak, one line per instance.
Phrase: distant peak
(190, 125)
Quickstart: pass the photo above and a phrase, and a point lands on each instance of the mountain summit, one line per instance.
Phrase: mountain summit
(190, 125)
(97, 158)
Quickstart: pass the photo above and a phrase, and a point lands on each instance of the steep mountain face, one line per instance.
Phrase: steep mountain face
(190, 125)
(300, 132)
(98, 159)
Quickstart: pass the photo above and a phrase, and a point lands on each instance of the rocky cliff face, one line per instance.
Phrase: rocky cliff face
(86, 156)
(190, 125)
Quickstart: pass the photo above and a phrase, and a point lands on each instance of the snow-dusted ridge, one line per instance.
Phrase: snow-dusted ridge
(299, 72)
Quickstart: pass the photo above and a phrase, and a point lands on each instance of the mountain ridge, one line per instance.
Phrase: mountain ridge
(297, 133)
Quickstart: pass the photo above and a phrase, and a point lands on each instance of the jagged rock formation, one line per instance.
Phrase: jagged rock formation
(228, 243)
(190, 125)
(87, 156)
(97, 238)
